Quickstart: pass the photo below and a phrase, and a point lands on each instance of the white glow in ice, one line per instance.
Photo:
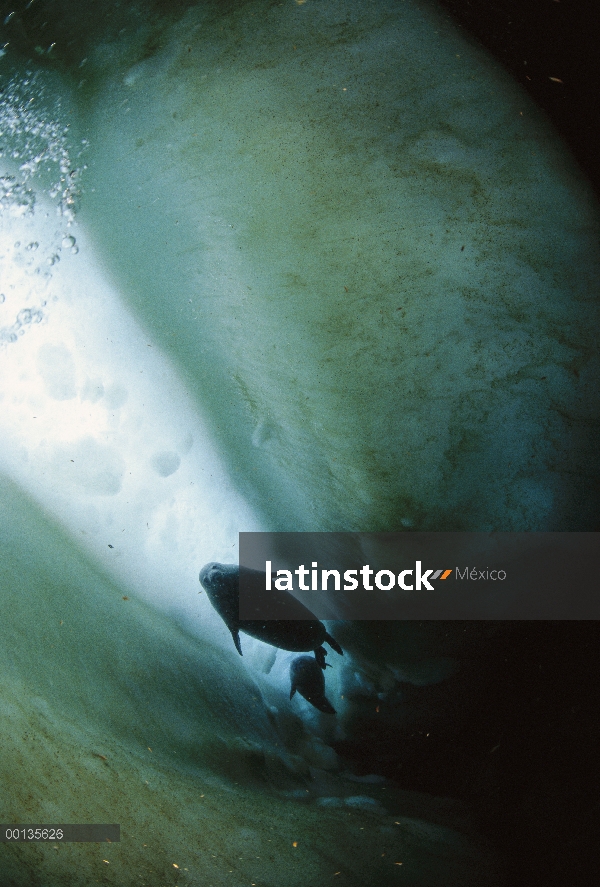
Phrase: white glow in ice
(97, 427)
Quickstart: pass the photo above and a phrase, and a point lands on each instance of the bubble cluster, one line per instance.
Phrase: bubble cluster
(15, 197)
(32, 134)
(29, 315)
(39, 168)
(25, 317)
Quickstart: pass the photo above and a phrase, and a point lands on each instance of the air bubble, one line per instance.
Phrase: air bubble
(24, 316)
(32, 246)
(2, 298)
(68, 241)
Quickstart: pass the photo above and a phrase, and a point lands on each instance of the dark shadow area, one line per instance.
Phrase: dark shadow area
(516, 735)
(551, 48)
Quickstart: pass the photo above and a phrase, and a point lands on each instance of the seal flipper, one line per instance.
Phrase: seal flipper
(333, 644)
(235, 634)
(323, 704)
(320, 654)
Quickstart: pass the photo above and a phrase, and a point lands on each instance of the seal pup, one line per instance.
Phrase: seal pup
(308, 679)
(302, 633)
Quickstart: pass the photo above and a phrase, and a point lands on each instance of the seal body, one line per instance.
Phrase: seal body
(307, 678)
(302, 633)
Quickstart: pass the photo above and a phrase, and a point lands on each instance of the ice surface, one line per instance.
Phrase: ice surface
(289, 266)
(373, 260)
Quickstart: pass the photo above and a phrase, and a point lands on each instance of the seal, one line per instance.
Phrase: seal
(308, 679)
(301, 633)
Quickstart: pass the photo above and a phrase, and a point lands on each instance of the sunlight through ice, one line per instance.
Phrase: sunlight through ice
(96, 426)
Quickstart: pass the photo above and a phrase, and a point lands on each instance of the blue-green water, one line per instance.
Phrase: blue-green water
(306, 266)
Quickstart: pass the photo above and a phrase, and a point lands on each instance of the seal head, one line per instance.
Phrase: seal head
(221, 583)
(304, 632)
